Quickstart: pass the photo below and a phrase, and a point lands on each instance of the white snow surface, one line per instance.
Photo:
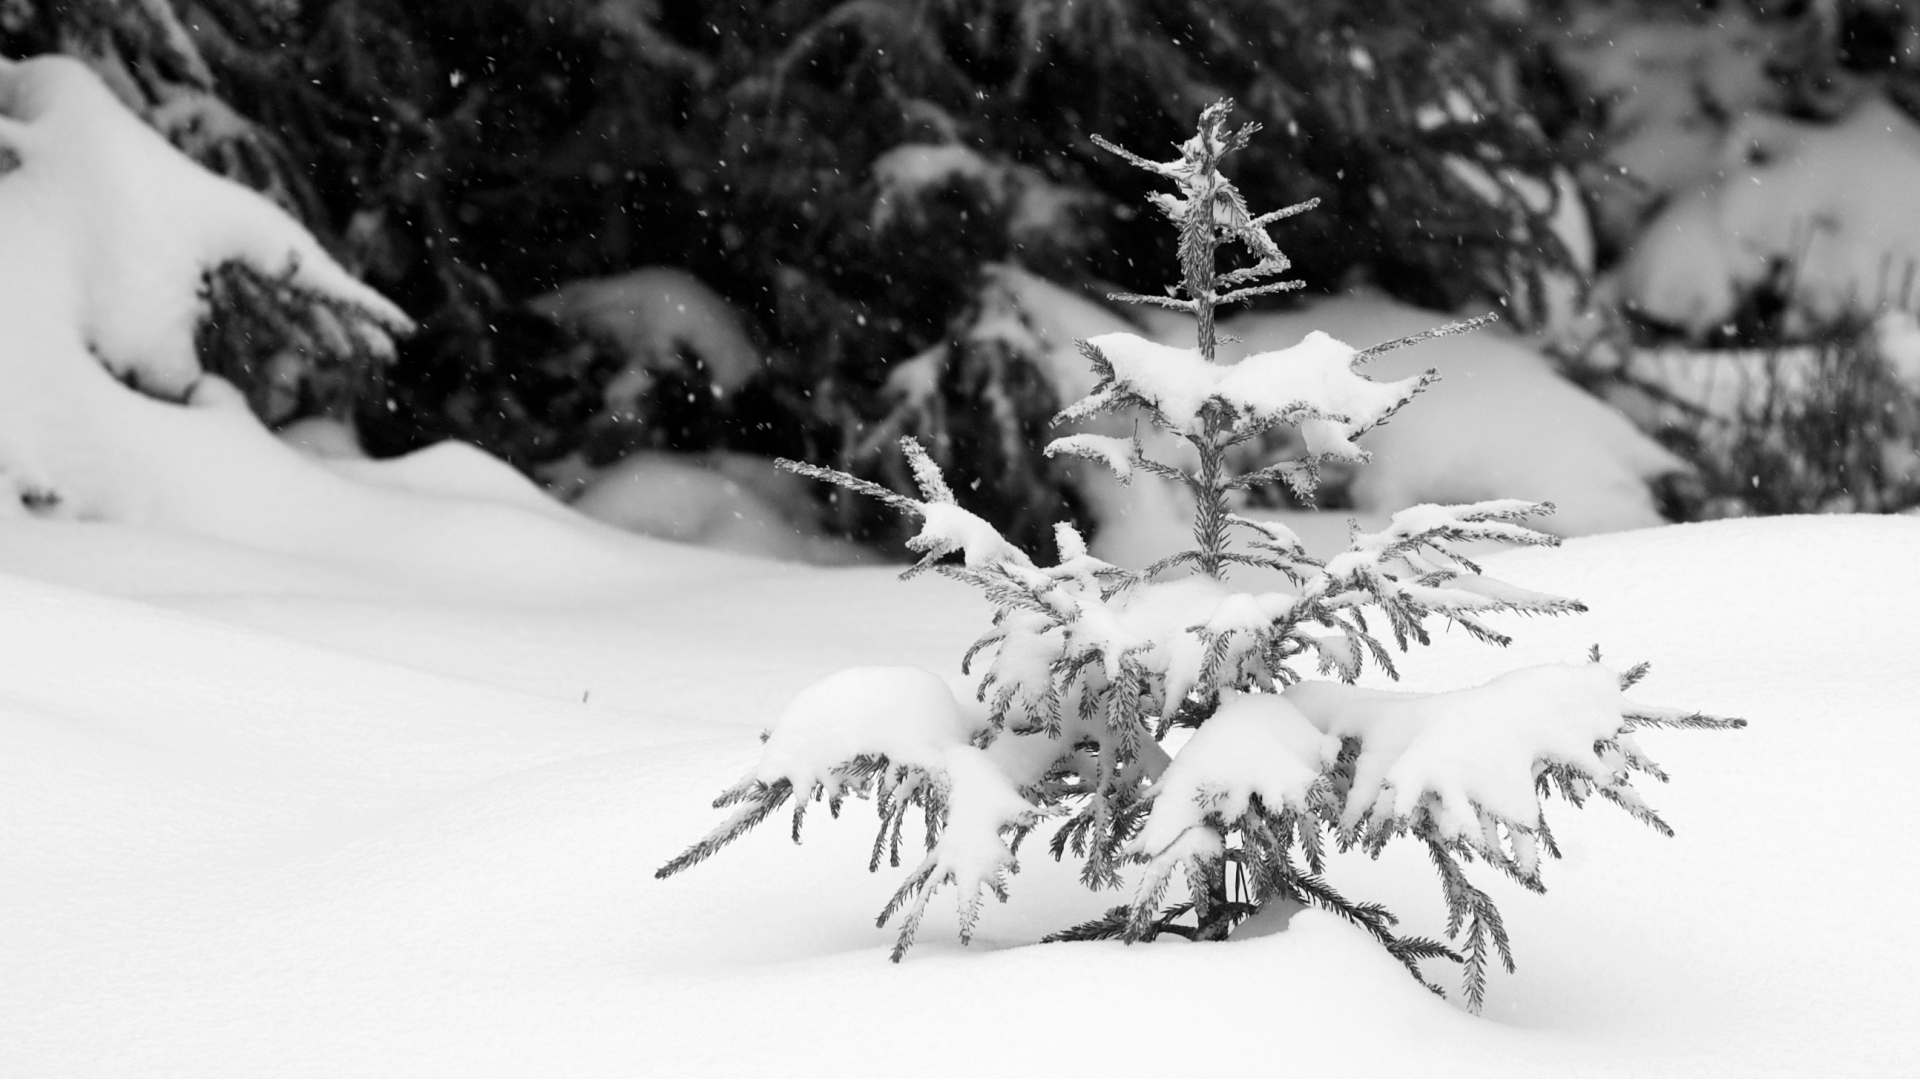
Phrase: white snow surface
(265, 815)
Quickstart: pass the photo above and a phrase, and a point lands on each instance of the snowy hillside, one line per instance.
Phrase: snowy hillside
(260, 816)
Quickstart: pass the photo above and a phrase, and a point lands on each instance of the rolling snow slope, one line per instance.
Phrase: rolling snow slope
(260, 818)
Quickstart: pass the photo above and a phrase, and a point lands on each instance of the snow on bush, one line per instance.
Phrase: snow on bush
(657, 318)
(1821, 213)
(130, 226)
(1743, 161)
(1671, 83)
(1037, 209)
(105, 413)
(1088, 668)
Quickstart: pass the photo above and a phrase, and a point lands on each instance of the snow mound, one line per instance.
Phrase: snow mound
(726, 501)
(452, 470)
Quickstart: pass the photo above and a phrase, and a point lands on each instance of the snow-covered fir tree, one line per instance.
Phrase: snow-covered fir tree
(1244, 639)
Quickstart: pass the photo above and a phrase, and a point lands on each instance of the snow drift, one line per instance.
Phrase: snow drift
(250, 829)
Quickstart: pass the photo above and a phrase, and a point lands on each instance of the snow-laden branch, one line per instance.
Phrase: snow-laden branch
(897, 735)
(1312, 385)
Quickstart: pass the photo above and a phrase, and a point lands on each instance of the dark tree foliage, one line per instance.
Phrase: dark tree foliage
(468, 156)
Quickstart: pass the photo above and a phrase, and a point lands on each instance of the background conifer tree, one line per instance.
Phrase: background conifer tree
(467, 157)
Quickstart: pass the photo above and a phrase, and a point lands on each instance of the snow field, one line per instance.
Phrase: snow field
(239, 850)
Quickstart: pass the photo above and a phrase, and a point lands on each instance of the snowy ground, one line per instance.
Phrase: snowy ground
(358, 768)
(264, 815)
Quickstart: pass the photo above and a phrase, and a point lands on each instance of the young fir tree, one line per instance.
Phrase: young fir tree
(1089, 667)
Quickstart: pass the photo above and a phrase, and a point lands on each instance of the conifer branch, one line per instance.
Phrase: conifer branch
(766, 799)
(1173, 302)
(1167, 169)
(1241, 294)
(850, 482)
(1284, 212)
(1677, 720)
(1449, 330)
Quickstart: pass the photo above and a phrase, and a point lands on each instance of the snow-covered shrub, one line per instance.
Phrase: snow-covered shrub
(1811, 220)
(1826, 420)
(107, 415)
(1757, 157)
(1089, 667)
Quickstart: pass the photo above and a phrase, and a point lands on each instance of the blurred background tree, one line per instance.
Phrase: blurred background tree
(839, 180)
